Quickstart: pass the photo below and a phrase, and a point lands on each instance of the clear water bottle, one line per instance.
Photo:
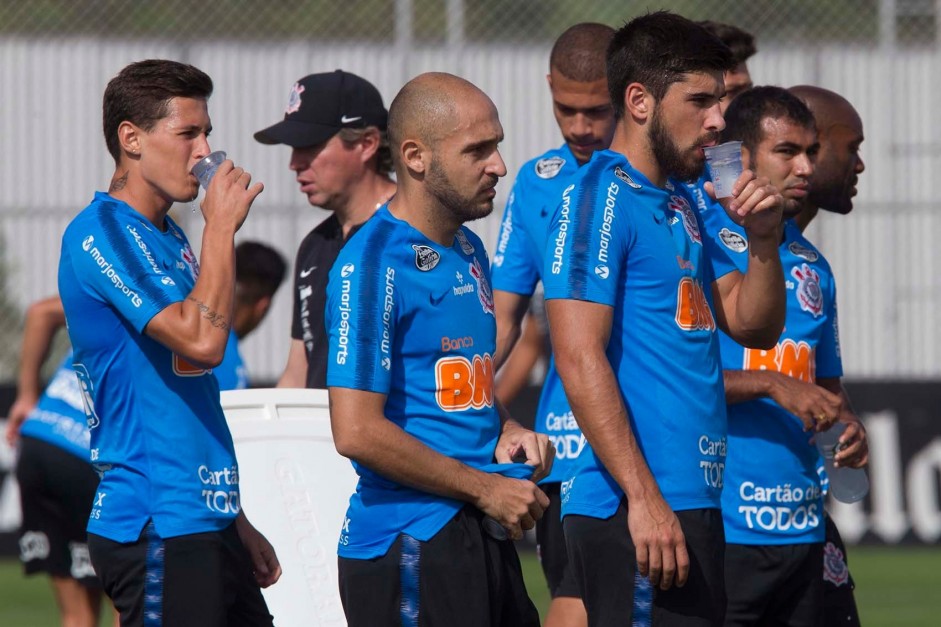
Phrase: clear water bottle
(846, 484)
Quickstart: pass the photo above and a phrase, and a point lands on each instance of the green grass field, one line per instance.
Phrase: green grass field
(894, 588)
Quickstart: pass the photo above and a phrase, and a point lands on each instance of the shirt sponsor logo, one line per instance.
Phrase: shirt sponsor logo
(713, 468)
(484, 295)
(808, 291)
(604, 232)
(140, 244)
(464, 243)
(87, 242)
(732, 240)
(780, 507)
(457, 343)
(693, 312)
(345, 309)
(426, 257)
(562, 230)
(167, 281)
(624, 176)
(388, 303)
(183, 368)
(107, 269)
(549, 168)
(221, 491)
(294, 100)
(795, 359)
(87, 389)
(699, 196)
(506, 230)
(680, 205)
(567, 445)
(803, 252)
(462, 288)
(463, 383)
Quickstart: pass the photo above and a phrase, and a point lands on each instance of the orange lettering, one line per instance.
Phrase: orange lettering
(692, 309)
(461, 384)
(183, 368)
(795, 359)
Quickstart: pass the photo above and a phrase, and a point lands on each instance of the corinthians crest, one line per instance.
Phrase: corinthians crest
(808, 289)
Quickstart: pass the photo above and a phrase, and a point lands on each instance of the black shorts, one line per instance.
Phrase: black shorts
(461, 577)
(839, 603)
(56, 494)
(550, 547)
(774, 585)
(197, 580)
(605, 565)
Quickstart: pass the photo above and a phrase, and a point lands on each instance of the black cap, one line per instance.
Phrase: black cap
(322, 104)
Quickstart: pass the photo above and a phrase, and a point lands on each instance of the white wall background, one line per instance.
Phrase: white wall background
(52, 158)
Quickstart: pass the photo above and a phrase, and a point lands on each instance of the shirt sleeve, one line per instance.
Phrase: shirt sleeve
(363, 306)
(110, 259)
(829, 362)
(589, 238)
(515, 264)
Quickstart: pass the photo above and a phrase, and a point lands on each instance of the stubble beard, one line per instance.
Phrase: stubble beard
(668, 155)
(459, 207)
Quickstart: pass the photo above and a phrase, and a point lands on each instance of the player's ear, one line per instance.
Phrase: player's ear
(370, 142)
(638, 102)
(129, 138)
(416, 156)
(746, 159)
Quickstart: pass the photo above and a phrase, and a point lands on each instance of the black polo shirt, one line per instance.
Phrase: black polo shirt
(315, 257)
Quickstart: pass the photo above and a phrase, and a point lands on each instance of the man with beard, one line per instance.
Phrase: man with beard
(634, 295)
(427, 536)
(585, 117)
(838, 168)
(772, 504)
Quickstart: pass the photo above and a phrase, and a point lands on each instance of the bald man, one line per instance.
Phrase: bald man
(427, 538)
(839, 163)
(833, 188)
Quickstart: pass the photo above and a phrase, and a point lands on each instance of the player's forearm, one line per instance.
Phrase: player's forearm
(595, 397)
(509, 310)
(748, 385)
(760, 301)
(385, 448)
(43, 319)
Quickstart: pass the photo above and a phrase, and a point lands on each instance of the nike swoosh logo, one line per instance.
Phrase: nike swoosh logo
(437, 300)
(346, 120)
(306, 273)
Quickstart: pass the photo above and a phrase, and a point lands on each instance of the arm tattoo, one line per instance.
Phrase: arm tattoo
(215, 319)
(119, 183)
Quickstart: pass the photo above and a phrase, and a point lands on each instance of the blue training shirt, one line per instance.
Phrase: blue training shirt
(59, 416)
(517, 268)
(413, 320)
(620, 241)
(158, 435)
(772, 492)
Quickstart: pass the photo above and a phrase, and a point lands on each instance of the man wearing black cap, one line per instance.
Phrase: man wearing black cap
(335, 123)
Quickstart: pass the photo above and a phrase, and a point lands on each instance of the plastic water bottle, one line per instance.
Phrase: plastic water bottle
(846, 484)
(206, 168)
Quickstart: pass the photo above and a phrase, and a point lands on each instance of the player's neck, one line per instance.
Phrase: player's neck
(127, 186)
(366, 197)
(424, 214)
(632, 142)
(805, 217)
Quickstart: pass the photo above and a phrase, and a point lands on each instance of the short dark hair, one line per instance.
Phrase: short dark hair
(140, 94)
(743, 117)
(656, 50)
(259, 270)
(740, 42)
(579, 53)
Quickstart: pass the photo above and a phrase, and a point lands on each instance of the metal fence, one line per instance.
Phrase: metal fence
(57, 55)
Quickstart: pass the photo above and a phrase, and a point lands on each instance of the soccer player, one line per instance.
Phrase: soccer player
(335, 124)
(772, 503)
(583, 111)
(148, 321)
(57, 484)
(634, 295)
(839, 165)
(742, 44)
(426, 539)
